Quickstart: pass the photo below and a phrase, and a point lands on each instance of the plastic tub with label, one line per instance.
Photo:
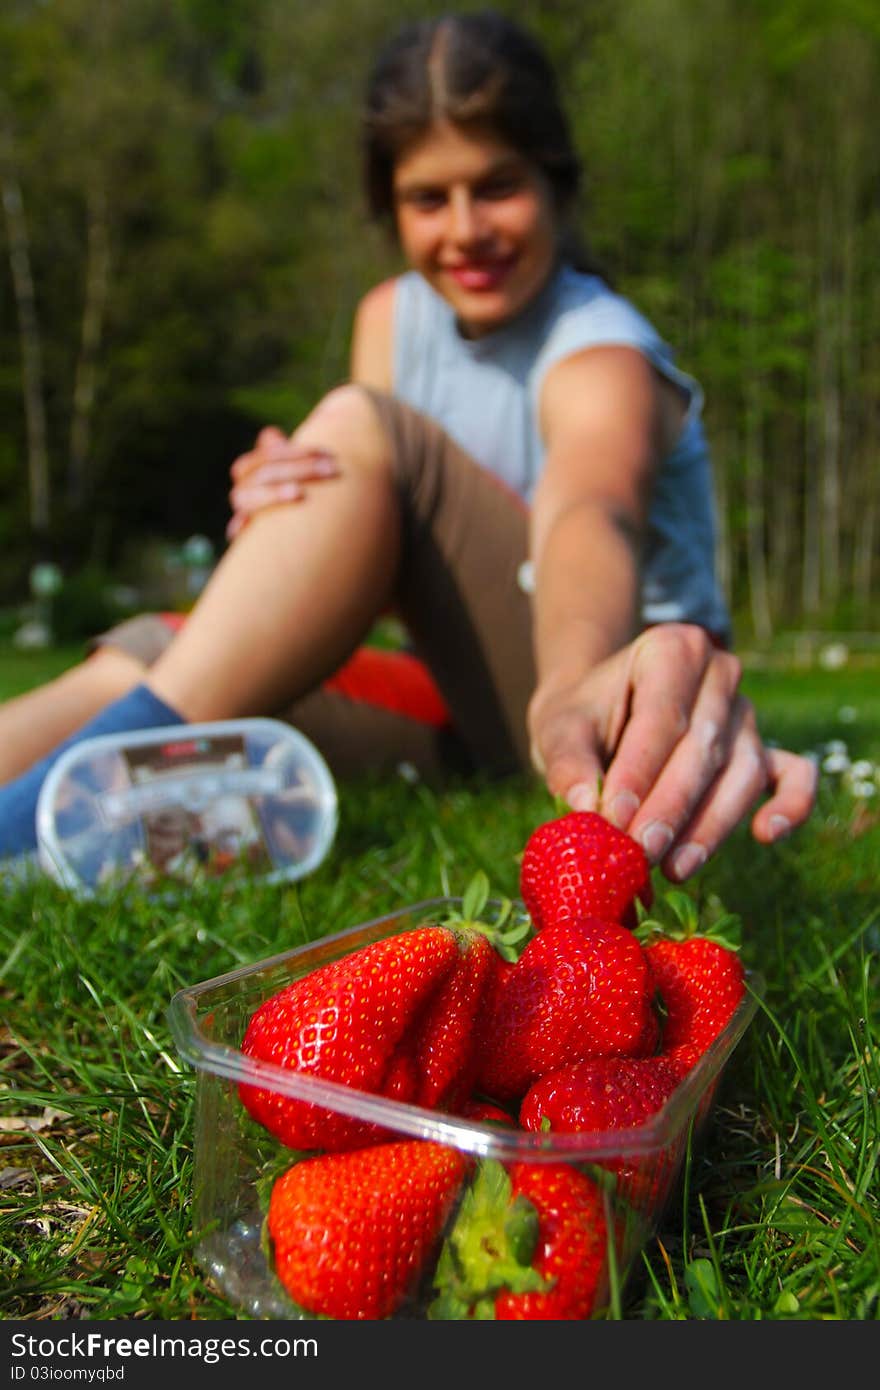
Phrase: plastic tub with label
(185, 804)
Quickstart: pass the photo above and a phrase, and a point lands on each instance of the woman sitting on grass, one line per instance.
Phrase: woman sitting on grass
(516, 467)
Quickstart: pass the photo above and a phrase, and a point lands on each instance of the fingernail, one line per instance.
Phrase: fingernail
(689, 858)
(656, 839)
(622, 808)
(583, 796)
(780, 826)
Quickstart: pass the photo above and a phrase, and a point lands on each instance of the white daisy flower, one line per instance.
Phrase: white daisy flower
(863, 770)
(863, 790)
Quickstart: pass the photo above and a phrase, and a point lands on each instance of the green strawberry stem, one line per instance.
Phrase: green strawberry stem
(488, 1251)
(677, 916)
(506, 935)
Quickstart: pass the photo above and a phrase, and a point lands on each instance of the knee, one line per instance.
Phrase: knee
(345, 424)
(140, 640)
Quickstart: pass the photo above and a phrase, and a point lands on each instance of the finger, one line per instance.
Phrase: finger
(725, 803)
(714, 730)
(682, 722)
(566, 751)
(270, 437)
(665, 688)
(269, 440)
(288, 460)
(306, 467)
(249, 499)
(270, 483)
(793, 783)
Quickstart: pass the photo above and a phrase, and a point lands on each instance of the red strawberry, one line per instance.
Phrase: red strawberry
(600, 1093)
(344, 1022)
(443, 1047)
(578, 990)
(352, 1232)
(701, 983)
(484, 1112)
(698, 973)
(529, 1242)
(572, 1244)
(580, 865)
(611, 1093)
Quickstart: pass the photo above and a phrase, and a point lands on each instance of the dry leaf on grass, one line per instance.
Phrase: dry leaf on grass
(32, 1124)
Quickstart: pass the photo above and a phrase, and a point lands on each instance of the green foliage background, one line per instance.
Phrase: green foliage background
(189, 191)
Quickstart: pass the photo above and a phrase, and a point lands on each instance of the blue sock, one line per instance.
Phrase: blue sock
(139, 709)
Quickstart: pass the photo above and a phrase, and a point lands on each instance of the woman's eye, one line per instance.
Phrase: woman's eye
(425, 199)
(500, 188)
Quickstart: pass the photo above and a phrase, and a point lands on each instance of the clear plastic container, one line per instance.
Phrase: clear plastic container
(235, 1157)
(186, 803)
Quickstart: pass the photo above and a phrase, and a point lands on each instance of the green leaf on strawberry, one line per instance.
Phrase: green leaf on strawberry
(504, 931)
(489, 1249)
(475, 898)
(678, 916)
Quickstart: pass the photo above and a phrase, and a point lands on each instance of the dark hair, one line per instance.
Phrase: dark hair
(476, 69)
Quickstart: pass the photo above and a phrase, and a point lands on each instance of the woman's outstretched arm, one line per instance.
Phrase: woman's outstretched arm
(651, 728)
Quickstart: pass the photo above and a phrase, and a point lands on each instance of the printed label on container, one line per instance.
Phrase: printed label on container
(196, 814)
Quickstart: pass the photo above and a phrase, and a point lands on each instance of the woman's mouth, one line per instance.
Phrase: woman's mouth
(479, 277)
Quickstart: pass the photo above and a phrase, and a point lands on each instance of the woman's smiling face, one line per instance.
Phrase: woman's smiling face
(477, 220)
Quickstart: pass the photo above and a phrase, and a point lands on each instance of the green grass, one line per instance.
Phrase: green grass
(779, 1214)
(22, 670)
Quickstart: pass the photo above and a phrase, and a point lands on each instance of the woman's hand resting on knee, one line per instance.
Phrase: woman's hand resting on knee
(660, 739)
(274, 472)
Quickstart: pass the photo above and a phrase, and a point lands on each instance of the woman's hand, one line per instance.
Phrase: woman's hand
(659, 738)
(275, 471)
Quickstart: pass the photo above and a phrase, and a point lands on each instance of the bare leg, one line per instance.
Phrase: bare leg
(290, 599)
(32, 724)
(299, 587)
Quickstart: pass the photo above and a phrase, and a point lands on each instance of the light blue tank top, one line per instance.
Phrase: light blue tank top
(485, 393)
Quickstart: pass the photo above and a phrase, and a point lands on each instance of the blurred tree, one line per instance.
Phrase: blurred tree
(185, 245)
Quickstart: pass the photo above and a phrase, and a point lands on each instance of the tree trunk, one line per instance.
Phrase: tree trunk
(863, 554)
(810, 581)
(753, 444)
(827, 353)
(85, 379)
(755, 518)
(29, 334)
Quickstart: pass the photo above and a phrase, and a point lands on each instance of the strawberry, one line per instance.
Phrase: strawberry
(443, 1050)
(611, 1093)
(698, 974)
(600, 1093)
(701, 983)
(572, 1244)
(529, 1242)
(344, 1022)
(351, 1233)
(580, 865)
(578, 990)
(484, 1112)
(442, 1045)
